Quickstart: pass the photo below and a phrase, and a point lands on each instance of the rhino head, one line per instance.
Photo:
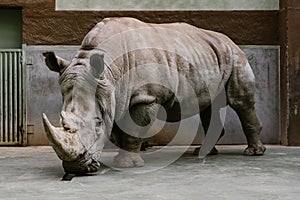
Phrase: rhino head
(87, 112)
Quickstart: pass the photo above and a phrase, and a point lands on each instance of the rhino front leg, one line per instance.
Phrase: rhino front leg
(142, 115)
(129, 153)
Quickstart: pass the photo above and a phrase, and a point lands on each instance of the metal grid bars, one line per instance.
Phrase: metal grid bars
(12, 97)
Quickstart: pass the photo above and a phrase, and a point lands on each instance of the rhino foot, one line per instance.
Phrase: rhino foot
(214, 151)
(128, 159)
(255, 150)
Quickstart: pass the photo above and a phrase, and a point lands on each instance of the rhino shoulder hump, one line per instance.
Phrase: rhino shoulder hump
(106, 28)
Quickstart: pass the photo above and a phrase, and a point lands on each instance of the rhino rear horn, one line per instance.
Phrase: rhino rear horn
(55, 63)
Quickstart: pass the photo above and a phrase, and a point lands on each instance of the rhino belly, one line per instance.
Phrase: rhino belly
(185, 109)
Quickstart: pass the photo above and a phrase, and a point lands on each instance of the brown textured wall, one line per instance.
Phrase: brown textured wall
(290, 71)
(42, 25)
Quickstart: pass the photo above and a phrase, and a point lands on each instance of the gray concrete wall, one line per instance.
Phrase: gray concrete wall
(44, 96)
(106, 5)
(43, 92)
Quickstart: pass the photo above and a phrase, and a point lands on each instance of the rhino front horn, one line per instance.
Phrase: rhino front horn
(66, 145)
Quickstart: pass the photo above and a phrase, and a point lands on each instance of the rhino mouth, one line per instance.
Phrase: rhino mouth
(69, 148)
(82, 165)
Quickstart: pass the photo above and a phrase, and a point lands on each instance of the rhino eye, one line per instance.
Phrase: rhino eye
(66, 90)
(98, 124)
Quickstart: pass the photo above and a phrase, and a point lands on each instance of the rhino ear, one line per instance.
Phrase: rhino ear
(55, 63)
(97, 64)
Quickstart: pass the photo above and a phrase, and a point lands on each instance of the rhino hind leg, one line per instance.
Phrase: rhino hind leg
(205, 116)
(240, 96)
(214, 151)
(252, 127)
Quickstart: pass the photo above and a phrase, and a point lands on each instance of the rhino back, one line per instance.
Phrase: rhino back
(204, 58)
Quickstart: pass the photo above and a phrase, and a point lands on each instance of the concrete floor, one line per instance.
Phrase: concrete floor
(35, 173)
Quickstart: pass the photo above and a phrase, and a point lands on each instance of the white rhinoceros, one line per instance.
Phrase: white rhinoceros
(127, 70)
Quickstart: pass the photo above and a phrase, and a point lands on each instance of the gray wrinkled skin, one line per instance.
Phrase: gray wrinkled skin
(102, 83)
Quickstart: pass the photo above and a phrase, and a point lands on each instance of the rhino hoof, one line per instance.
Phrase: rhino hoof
(214, 151)
(128, 160)
(258, 150)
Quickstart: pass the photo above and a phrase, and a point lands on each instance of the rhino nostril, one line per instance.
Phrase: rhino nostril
(68, 128)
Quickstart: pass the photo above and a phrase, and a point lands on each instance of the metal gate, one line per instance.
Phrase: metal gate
(13, 97)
